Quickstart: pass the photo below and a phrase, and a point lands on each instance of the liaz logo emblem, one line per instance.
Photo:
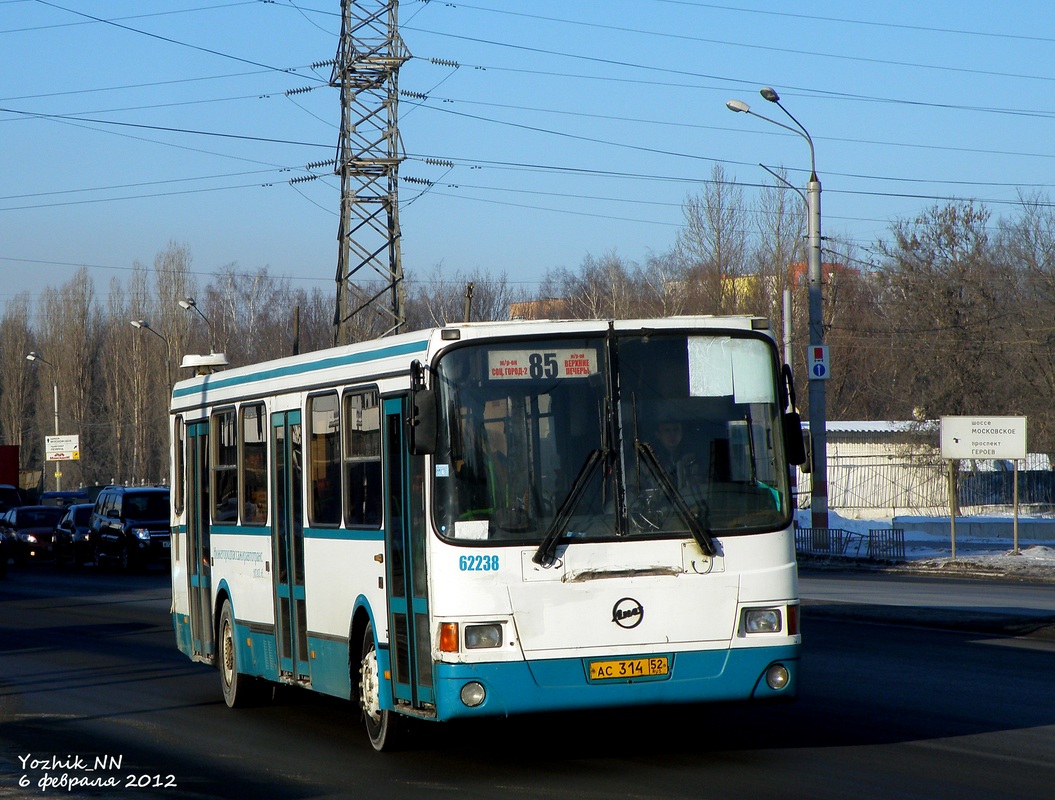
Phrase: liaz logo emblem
(628, 613)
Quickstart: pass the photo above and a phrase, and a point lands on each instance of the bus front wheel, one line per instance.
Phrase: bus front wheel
(382, 726)
(238, 689)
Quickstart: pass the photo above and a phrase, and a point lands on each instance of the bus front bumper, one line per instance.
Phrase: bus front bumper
(509, 688)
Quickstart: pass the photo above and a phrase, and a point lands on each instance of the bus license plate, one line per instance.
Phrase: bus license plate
(628, 668)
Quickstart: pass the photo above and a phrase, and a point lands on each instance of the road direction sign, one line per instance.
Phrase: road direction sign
(983, 437)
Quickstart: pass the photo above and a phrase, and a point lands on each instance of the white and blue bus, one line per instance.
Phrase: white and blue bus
(493, 519)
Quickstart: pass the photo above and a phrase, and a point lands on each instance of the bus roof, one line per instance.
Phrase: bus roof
(392, 355)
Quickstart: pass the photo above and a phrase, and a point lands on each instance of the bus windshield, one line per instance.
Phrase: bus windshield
(595, 438)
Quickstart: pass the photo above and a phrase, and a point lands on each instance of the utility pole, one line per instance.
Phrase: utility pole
(369, 267)
(817, 351)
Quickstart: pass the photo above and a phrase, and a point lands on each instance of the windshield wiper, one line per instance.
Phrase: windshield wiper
(699, 532)
(544, 554)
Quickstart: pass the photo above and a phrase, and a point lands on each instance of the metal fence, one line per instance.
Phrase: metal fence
(886, 544)
(1035, 487)
(921, 486)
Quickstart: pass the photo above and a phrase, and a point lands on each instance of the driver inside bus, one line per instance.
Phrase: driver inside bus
(677, 458)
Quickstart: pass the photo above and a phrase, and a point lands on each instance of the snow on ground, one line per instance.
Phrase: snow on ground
(978, 553)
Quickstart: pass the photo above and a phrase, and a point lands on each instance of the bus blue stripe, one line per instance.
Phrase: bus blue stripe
(220, 381)
(345, 534)
(337, 534)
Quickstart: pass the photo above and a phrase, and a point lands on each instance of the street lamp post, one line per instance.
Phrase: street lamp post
(142, 324)
(190, 302)
(817, 385)
(203, 364)
(32, 356)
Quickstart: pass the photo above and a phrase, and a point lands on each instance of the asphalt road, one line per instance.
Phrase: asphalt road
(891, 706)
(1010, 607)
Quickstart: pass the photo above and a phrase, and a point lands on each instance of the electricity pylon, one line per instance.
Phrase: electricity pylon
(370, 292)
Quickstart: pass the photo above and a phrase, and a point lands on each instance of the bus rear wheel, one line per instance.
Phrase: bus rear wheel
(383, 727)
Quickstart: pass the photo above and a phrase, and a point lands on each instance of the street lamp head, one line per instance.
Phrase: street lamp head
(738, 105)
(139, 323)
(31, 356)
(188, 302)
(769, 94)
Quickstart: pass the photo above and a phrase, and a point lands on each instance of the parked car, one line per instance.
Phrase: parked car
(5, 550)
(130, 526)
(10, 497)
(62, 499)
(73, 541)
(30, 530)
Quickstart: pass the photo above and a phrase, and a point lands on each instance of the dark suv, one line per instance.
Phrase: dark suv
(10, 497)
(130, 526)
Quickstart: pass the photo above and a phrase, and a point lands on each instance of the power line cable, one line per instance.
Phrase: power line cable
(164, 128)
(867, 23)
(798, 51)
(161, 38)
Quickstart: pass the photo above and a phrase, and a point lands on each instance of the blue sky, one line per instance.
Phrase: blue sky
(575, 128)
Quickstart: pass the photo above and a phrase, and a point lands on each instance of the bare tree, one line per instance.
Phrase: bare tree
(173, 282)
(1027, 246)
(111, 448)
(857, 388)
(315, 312)
(944, 296)
(438, 300)
(251, 315)
(780, 227)
(144, 383)
(663, 283)
(605, 288)
(67, 340)
(15, 384)
(712, 248)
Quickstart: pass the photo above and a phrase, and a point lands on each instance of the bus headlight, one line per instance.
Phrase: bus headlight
(473, 694)
(481, 636)
(142, 534)
(762, 620)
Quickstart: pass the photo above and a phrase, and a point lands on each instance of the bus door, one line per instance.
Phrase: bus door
(410, 642)
(199, 555)
(288, 544)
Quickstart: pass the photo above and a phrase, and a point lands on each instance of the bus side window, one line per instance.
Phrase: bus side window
(324, 459)
(225, 467)
(362, 459)
(254, 464)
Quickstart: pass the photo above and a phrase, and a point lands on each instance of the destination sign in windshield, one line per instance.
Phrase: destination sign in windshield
(541, 364)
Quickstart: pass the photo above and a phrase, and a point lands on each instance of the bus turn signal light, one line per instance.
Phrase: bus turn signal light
(448, 637)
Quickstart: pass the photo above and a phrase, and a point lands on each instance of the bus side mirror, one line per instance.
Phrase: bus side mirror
(793, 438)
(422, 422)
